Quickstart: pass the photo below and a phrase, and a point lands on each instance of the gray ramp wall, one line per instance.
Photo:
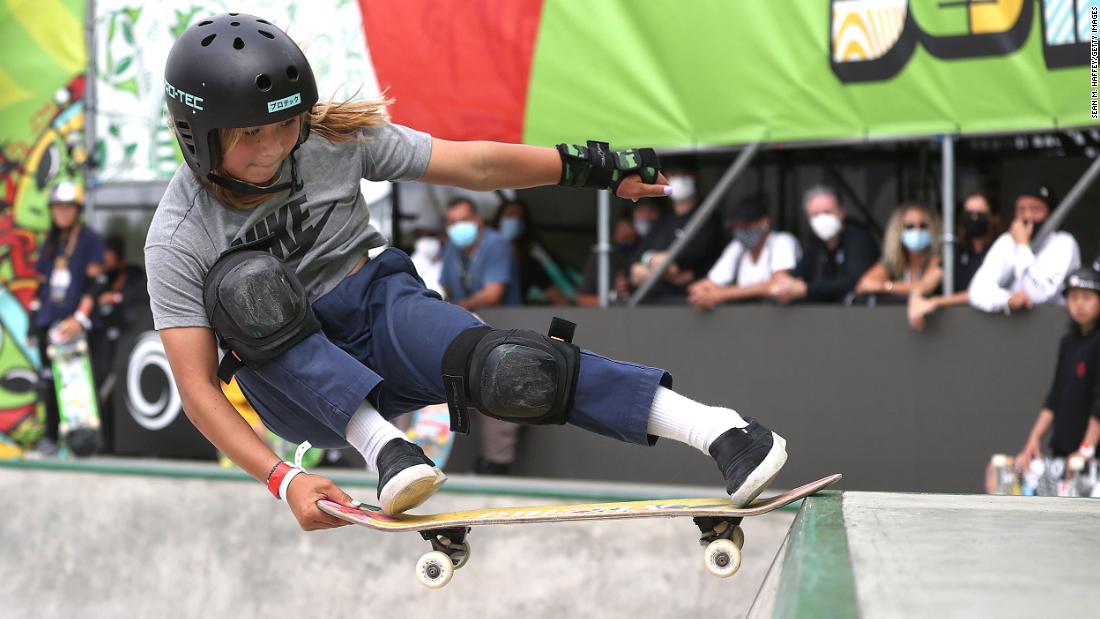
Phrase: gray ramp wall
(853, 390)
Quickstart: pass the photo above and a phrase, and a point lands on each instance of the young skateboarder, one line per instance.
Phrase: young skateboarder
(260, 245)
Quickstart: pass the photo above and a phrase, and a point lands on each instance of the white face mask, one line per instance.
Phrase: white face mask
(427, 246)
(825, 225)
(683, 187)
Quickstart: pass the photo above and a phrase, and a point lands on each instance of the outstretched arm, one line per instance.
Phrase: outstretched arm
(485, 166)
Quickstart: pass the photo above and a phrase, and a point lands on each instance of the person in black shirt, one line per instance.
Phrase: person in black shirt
(694, 260)
(624, 239)
(979, 225)
(836, 257)
(1072, 406)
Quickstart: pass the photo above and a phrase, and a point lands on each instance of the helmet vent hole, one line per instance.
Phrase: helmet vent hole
(205, 23)
(263, 82)
(234, 14)
(191, 147)
(292, 73)
(266, 34)
(234, 23)
(208, 40)
(238, 43)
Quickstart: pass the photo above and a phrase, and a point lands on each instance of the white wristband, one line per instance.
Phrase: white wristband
(1087, 452)
(291, 474)
(84, 321)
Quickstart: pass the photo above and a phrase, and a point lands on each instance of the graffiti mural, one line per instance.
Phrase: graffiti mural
(873, 40)
(42, 60)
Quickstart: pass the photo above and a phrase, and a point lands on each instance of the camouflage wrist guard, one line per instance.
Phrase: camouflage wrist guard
(598, 166)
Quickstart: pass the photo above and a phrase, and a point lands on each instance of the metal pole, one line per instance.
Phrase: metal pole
(948, 214)
(90, 164)
(603, 246)
(702, 214)
(395, 214)
(1059, 214)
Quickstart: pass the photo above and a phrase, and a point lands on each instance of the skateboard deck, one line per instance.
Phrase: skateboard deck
(430, 428)
(76, 398)
(718, 520)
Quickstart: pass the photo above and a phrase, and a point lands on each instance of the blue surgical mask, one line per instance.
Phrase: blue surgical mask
(511, 228)
(462, 234)
(916, 240)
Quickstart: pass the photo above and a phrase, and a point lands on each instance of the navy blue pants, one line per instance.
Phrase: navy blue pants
(382, 329)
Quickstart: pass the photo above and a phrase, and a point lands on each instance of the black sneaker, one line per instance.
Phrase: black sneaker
(749, 459)
(406, 477)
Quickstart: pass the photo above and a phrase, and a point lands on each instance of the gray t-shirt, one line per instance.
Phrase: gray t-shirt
(323, 230)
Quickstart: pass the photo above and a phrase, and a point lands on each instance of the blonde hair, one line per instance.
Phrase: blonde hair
(894, 256)
(331, 120)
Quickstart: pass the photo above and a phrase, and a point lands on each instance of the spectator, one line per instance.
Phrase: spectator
(1072, 406)
(70, 260)
(979, 224)
(840, 252)
(542, 278)
(478, 268)
(745, 269)
(120, 293)
(624, 239)
(427, 257)
(645, 214)
(479, 271)
(910, 255)
(694, 260)
(1015, 275)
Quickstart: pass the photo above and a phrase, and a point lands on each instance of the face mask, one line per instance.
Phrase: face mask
(750, 237)
(825, 225)
(683, 187)
(427, 246)
(511, 228)
(642, 226)
(462, 234)
(976, 225)
(916, 240)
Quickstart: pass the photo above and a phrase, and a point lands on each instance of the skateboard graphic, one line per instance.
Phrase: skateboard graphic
(1045, 476)
(717, 518)
(76, 398)
(430, 428)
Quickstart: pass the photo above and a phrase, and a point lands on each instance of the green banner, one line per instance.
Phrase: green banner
(671, 73)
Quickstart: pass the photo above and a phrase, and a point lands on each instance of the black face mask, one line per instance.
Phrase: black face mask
(976, 225)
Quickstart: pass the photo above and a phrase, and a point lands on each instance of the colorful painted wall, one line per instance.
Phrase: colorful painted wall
(42, 74)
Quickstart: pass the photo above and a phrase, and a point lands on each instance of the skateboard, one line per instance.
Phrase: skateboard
(1045, 477)
(718, 520)
(76, 399)
(430, 428)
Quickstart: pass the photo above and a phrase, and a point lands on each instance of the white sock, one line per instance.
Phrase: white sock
(682, 419)
(368, 432)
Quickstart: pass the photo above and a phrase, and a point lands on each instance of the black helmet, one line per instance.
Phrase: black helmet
(1086, 278)
(233, 70)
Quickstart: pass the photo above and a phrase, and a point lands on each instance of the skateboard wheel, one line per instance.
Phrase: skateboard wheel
(738, 538)
(434, 570)
(463, 555)
(722, 558)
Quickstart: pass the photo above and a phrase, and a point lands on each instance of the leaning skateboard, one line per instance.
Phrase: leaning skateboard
(718, 520)
(76, 398)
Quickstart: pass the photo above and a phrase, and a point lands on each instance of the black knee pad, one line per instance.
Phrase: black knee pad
(512, 375)
(257, 307)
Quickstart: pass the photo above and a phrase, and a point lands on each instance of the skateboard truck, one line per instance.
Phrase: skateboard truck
(723, 539)
(450, 551)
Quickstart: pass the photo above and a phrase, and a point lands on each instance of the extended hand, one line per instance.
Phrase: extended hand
(1024, 458)
(633, 188)
(1020, 300)
(302, 496)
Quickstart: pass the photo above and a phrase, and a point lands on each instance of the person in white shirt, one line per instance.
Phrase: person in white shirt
(1017, 274)
(745, 269)
(427, 257)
